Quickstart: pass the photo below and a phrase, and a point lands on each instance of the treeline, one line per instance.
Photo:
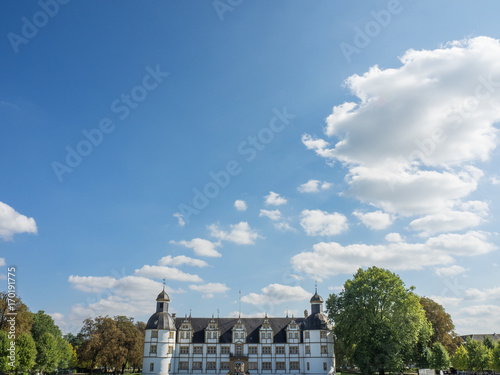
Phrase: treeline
(380, 325)
(111, 344)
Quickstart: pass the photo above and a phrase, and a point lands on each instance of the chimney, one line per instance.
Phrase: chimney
(306, 314)
(173, 315)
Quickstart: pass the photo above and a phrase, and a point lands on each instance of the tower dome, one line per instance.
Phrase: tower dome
(161, 319)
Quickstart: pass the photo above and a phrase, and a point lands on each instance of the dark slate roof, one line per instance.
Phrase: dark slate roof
(316, 298)
(252, 328)
(480, 337)
(317, 321)
(163, 296)
(161, 320)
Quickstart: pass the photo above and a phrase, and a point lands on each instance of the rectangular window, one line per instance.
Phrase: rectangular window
(308, 366)
(252, 350)
(294, 366)
(154, 334)
(296, 335)
(184, 350)
(212, 350)
(183, 365)
(269, 335)
(294, 350)
(323, 334)
(324, 349)
(280, 350)
(290, 335)
(266, 350)
(280, 366)
(196, 365)
(171, 335)
(211, 366)
(239, 350)
(209, 335)
(224, 365)
(263, 336)
(152, 349)
(308, 349)
(198, 350)
(252, 365)
(306, 334)
(266, 366)
(170, 349)
(224, 349)
(151, 367)
(324, 366)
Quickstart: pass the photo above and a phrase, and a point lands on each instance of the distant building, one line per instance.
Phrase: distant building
(238, 345)
(480, 337)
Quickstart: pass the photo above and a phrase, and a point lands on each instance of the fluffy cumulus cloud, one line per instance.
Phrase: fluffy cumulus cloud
(416, 130)
(449, 271)
(180, 260)
(321, 223)
(275, 294)
(280, 223)
(240, 205)
(210, 289)
(274, 199)
(92, 284)
(12, 222)
(201, 247)
(329, 259)
(240, 233)
(169, 273)
(374, 220)
(314, 186)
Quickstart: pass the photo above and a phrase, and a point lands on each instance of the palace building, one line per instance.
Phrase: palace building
(238, 345)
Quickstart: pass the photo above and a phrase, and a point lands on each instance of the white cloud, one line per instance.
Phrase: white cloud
(92, 284)
(495, 180)
(180, 218)
(329, 259)
(450, 271)
(258, 314)
(374, 220)
(12, 222)
(181, 260)
(2, 262)
(201, 247)
(416, 130)
(274, 215)
(210, 289)
(393, 237)
(284, 227)
(447, 301)
(321, 223)
(274, 199)
(240, 233)
(314, 186)
(240, 205)
(170, 273)
(491, 294)
(277, 293)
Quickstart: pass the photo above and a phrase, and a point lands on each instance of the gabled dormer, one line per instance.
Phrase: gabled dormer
(185, 332)
(293, 332)
(212, 332)
(239, 332)
(266, 333)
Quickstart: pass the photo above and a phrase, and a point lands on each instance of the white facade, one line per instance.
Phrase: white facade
(231, 345)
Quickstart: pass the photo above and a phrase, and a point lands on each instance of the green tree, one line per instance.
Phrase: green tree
(440, 359)
(65, 351)
(132, 342)
(488, 342)
(478, 356)
(495, 357)
(426, 358)
(47, 357)
(442, 324)
(379, 317)
(5, 361)
(43, 323)
(460, 358)
(26, 352)
(23, 317)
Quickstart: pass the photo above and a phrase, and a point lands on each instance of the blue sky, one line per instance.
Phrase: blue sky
(349, 135)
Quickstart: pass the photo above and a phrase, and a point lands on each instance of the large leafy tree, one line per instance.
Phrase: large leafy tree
(132, 342)
(26, 352)
(379, 318)
(23, 317)
(440, 359)
(459, 359)
(442, 324)
(495, 357)
(478, 355)
(50, 345)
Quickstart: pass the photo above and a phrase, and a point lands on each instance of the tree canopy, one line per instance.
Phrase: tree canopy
(442, 324)
(379, 319)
